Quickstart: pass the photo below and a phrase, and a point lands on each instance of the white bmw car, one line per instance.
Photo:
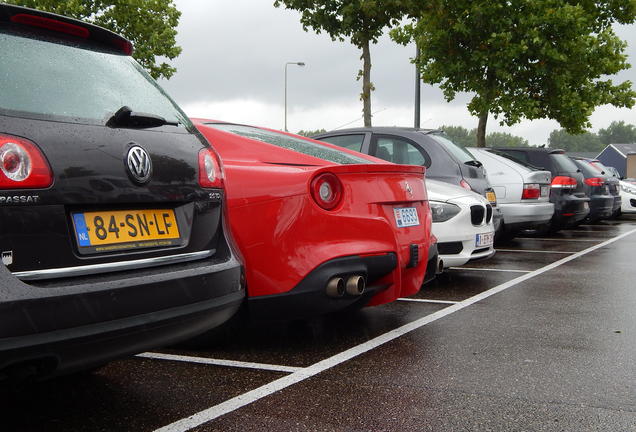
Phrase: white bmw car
(462, 223)
(628, 197)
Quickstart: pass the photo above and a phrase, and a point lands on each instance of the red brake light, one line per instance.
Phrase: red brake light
(51, 24)
(22, 165)
(594, 181)
(210, 174)
(531, 191)
(463, 183)
(326, 189)
(564, 182)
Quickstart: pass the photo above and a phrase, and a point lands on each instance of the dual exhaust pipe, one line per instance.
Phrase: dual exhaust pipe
(353, 285)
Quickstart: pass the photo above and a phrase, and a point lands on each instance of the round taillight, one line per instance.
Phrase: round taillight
(16, 163)
(210, 175)
(326, 189)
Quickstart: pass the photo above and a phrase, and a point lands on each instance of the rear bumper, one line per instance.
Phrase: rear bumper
(79, 323)
(570, 209)
(601, 207)
(309, 298)
(527, 213)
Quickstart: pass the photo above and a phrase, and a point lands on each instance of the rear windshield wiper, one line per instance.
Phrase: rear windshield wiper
(125, 117)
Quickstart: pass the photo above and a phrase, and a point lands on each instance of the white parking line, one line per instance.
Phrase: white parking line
(330, 362)
(533, 251)
(218, 362)
(559, 239)
(490, 269)
(427, 301)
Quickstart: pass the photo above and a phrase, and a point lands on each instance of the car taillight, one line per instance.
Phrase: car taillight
(326, 189)
(22, 165)
(51, 24)
(564, 182)
(210, 174)
(531, 191)
(594, 181)
(463, 183)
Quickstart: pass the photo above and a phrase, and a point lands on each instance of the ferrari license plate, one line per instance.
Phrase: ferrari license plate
(491, 197)
(108, 231)
(406, 217)
(485, 239)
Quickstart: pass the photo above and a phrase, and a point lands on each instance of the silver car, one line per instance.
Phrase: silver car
(523, 191)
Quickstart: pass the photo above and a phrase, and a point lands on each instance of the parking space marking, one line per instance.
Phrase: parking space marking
(560, 239)
(427, 301)
(219, 362)
(490, 269)
(249, 397)
(533, 251)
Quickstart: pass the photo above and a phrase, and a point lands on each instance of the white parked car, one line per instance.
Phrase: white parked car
(628, 197)
(462, 223)
(523, 191)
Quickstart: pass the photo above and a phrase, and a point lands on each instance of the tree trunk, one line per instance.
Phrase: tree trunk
(366, 84)
(481, 129)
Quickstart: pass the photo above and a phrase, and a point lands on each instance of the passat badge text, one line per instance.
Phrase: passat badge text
(19, 199)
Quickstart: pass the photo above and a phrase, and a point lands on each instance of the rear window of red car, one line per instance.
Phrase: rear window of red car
(298, 144)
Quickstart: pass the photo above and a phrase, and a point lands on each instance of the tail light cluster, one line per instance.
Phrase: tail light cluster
(531, 191)
(594, 181)
(22, 165)
(564, 182)
(327, 190)
(210, 174)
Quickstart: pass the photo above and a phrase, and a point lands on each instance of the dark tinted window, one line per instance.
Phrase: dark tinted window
(514, 158)
(563, 163)
(51, 79)
(587, 169)
(297, 144)
(398, 150)
(352, 142)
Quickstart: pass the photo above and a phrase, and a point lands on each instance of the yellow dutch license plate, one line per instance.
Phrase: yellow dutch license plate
(491, 197)
(109, 231)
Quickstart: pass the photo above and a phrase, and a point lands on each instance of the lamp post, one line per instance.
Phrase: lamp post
(287, 64)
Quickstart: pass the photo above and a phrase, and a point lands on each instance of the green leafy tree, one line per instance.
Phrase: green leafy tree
(361, 21)
(310, 133)
(149, 24)
(618, 133)
(460, 135)
(585, 142)
(505, 139)
(523, 58)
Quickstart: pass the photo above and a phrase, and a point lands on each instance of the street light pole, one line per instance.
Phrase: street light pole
(418, 80)
(287, 64)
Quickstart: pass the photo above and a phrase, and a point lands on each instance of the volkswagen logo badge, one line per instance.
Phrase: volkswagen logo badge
(139, 164)
(407, 187)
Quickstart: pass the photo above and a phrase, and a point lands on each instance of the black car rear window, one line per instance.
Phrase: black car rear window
(563, 163)
(587, 169)
(513, 159)
(297, 144)
(56, 79)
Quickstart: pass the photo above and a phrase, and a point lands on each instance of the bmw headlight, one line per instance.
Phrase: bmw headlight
(628, 189)
(442, 211)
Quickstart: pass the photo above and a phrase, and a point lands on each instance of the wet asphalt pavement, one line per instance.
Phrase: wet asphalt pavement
(542, 337)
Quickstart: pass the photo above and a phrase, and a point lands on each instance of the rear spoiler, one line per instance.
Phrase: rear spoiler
(47, 21)
(557, 151)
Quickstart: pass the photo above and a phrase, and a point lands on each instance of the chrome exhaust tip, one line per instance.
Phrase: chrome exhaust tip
(335, 287)
(355, 285)
(440, 267)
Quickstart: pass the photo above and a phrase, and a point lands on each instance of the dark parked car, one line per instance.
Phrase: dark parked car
(444, 160)
(567, 191)
(601, 184)
(112, 232)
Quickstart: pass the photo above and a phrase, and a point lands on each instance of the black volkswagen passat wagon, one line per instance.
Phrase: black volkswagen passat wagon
(111, 217)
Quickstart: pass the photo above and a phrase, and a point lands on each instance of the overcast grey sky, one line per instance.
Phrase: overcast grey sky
(232, 68)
